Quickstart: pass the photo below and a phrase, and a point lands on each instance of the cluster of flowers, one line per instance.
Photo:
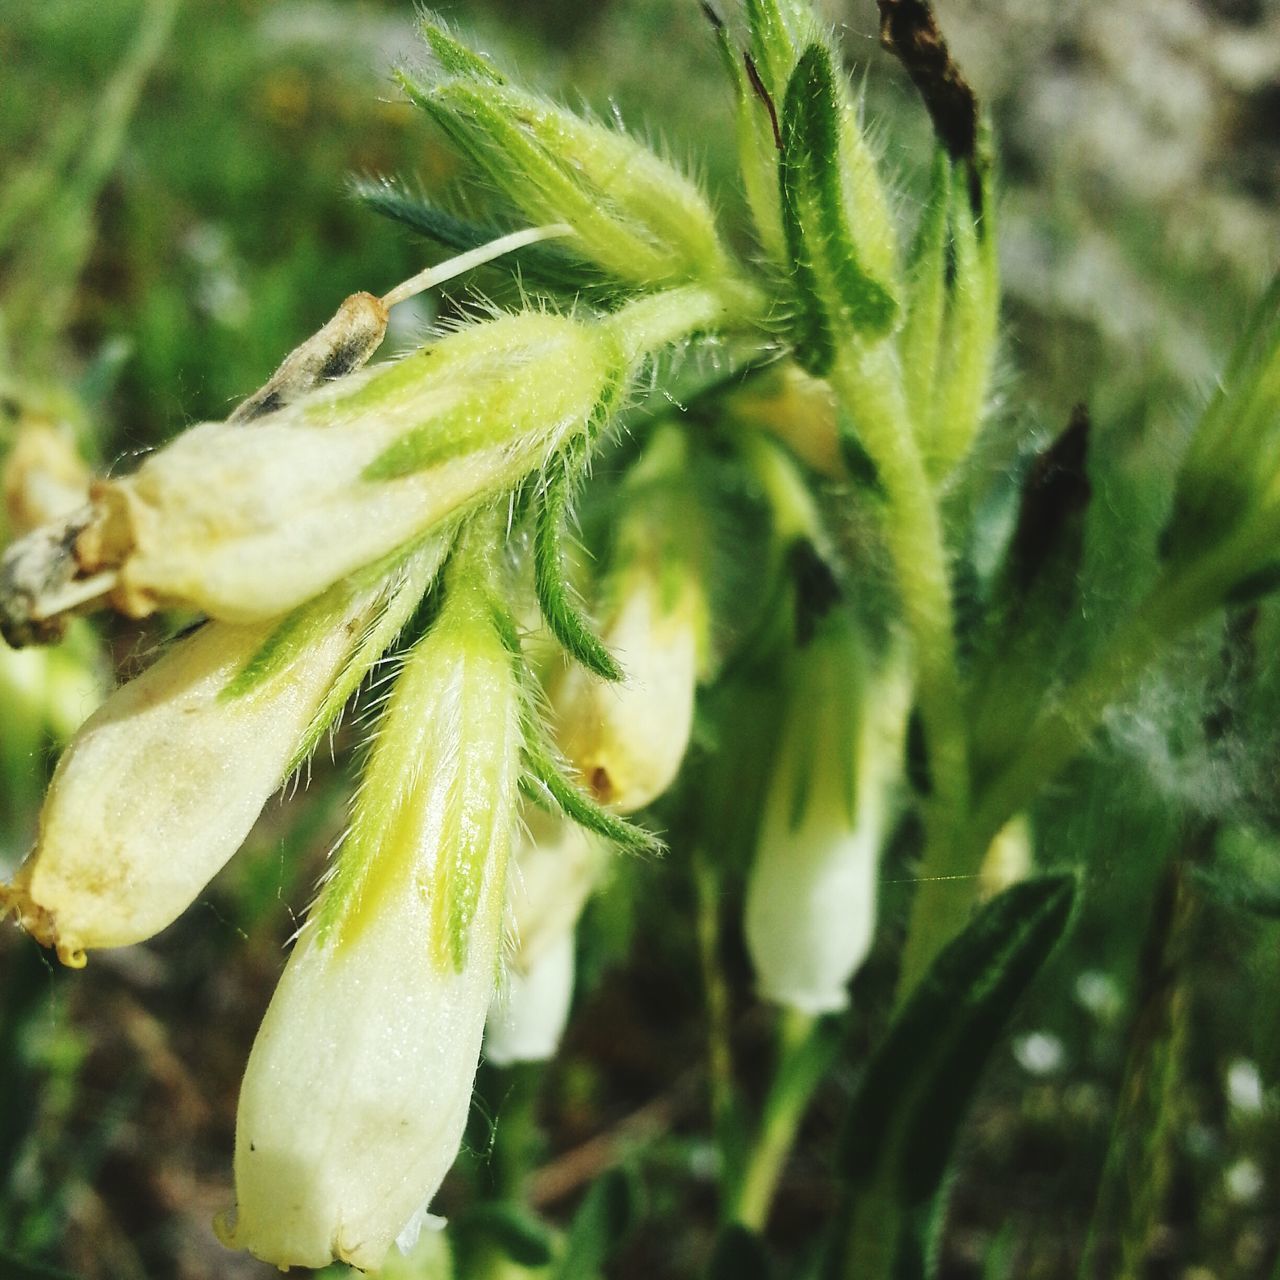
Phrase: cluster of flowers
(343, 511)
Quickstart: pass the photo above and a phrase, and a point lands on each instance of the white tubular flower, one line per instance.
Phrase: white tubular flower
(557, 865)
(627, 739)
(357, 1090)
(245, 521)
(164, 781)
(811, 897)
(527, 1021)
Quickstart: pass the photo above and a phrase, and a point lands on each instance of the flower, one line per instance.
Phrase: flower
(557, 865)
(357, 1090)
(246, 521)
(627, 739)
(811, 896)
(164, 781)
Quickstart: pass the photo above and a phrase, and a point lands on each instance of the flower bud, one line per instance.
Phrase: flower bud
(357, 1090)
(778, 31)
(947, 344)
(164, 781)
(557, 865)
(627, 739)
(634, 215)
(811, 897)
(246, 521)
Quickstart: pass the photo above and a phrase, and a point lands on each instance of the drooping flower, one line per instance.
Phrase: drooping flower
(358, 1086)
(627, 739)
(557, 865)
(163, 783)
(245, 522)
(811, 896)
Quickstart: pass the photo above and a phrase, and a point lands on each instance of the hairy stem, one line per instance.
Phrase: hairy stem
(869, 385)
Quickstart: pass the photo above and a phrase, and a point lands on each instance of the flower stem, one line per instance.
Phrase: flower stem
(868, 384)
(656, 320)
(804, 1054)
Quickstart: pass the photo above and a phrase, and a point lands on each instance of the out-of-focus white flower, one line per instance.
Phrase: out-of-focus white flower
(557, 865)
(45, 478)
(245, 521)
(1008, 858)
(164, 781)
(527, 1021)
(358, 1086)
(811, 897)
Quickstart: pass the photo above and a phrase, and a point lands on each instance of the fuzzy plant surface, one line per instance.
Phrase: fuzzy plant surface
(673, 535)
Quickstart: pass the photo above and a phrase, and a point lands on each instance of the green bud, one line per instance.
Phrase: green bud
(634, 215)
(967, 346)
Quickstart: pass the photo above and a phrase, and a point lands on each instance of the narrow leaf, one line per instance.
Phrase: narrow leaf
(546, 782)
(908, 1107)
(565, 620)
(835, 296)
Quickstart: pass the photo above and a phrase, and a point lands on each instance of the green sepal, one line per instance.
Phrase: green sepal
(908, 1106)
(836, 299)
(455, 58)
(927, 281)
(562, 616)
(542, 265)
(546, 784)
(406, 577)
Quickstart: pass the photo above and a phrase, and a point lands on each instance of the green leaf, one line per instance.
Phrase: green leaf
(836, 298)
(562, 616)
(1025, 641)
(599, 1226)
(909, 1104)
